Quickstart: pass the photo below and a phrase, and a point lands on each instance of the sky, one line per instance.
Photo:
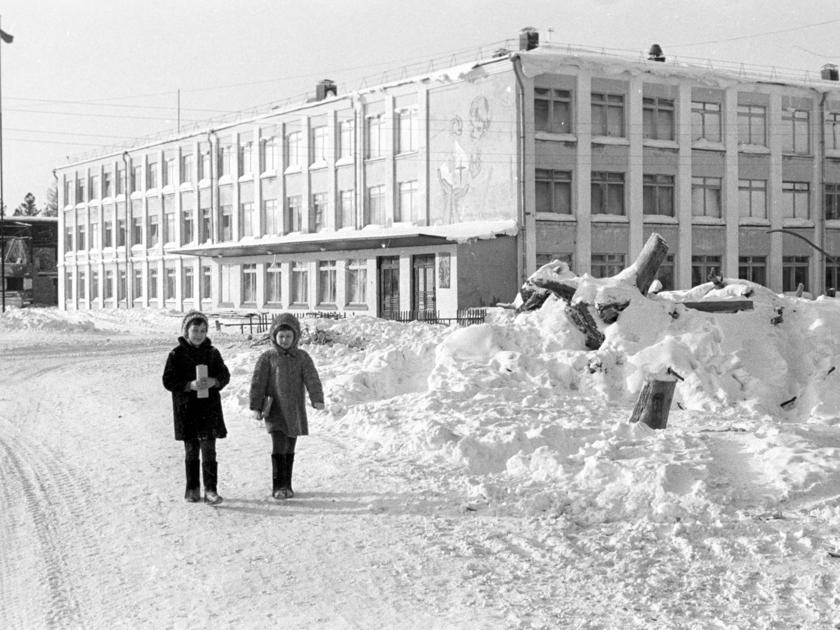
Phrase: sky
(80, 77)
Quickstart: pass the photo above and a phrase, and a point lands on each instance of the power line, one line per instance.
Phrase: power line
(739, 37)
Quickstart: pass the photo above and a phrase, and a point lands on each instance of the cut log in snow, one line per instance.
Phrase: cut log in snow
(648, 261)
(583, 320)
(720, 306)
(654, 403)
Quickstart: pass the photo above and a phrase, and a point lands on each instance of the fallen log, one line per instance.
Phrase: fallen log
(720, 306)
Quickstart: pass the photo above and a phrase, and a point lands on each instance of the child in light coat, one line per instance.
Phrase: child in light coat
(283, 375)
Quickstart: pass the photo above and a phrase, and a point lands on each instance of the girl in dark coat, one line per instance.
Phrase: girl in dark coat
(281, 374)
(196, 403)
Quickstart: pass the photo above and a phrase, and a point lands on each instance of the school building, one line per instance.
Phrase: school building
(443, 191)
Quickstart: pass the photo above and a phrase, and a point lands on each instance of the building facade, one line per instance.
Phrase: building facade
(444, 191)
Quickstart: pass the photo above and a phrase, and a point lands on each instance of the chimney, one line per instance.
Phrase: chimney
(655, 53)
(325, 88)
(829, 73)
(529, 38)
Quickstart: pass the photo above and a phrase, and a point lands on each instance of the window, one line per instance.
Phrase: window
(246, 158)
(268, 155)
(356, 281)
(752, 124)
(832, 277)
(170, 167)
(375, 214)
(294, 215)
(705, 121)
(206, 282)
(187, 165)
(796, 137)
(169, 219)
(608, 115)
(607, 193)
(153, 237)
(120, 179)
(249, 218)
(658, 118)
(326, 281)
(67, 192)
(108, 228)
(153, 283)
(347, 209)
(794, 272)
(294, 146)
(81, 232)
(752, 198)
(226, 278)
(408, 131)
(552, 110)
(407, 209)
(272, 218)
(81, 289)
(703, 268)
(122, 285)
(94, 231)
(273, 284)
(122, 225)
(300, 283)
(225, 166)
(205, 163)
(136, 222)
(108, 289)
(188, 282)
(373, 135)
(796, 198)
(553, 191)
(606, 265)
(206, 225)
(753, 268)
(152, 180)
(80, 190)
(94, 284)
(137, 289)
(658, 195)
(832, 201)
(227, 222)
(832, 131)
(345, 139)
(107, 184)
(249, 284)
(94, 187)
(169, 282)
(706, 196)
(320, 207)
(319, 144)
(187, 218)
(136, 177)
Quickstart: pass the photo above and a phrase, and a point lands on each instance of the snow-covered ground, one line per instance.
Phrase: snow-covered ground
(479, 477)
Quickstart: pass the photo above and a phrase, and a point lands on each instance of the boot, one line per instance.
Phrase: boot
(289, 460)
(193, 491)
(277, 470)
(210, 470)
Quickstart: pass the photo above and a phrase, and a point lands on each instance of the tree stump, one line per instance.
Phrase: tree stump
(654, 403)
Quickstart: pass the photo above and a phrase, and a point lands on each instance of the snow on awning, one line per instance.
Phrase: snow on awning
(370, 237)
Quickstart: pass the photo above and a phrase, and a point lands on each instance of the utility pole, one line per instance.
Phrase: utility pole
(5, 37)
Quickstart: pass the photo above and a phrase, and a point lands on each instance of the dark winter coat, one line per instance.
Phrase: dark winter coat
(194, 417)
(283, 375)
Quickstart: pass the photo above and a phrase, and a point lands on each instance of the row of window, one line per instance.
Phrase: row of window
(553, 191)
(150, 286)
(553, 113)
(160, 226)
(263, 157)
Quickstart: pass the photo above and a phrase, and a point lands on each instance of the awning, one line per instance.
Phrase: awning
(349, 240)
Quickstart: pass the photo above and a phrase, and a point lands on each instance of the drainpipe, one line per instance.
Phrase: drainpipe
(127, 195)
(212, 141)
(520, 193)
(821, 188)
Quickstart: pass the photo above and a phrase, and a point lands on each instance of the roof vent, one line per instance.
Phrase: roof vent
(655, 53)
(325, 88)
(529, 38)
(829, 72)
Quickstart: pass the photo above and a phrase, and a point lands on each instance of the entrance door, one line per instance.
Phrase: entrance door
(423, 281)
(389, 286)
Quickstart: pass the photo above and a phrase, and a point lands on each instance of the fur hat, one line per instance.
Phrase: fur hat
(190, 317)
(284, 320)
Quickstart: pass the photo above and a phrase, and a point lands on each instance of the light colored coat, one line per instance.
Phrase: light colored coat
(284, 375)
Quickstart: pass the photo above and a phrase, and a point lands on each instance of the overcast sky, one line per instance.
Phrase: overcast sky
(89, 74)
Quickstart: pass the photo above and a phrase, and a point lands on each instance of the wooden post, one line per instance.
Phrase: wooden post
(648, 261)
(654, 403)
(201, 373)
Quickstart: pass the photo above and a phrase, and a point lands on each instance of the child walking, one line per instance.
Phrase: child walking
(280, 376)
(196, 404)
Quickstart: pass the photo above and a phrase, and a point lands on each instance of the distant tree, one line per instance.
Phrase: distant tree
(50, 208)
(27, 208)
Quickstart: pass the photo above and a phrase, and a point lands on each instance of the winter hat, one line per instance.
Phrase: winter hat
(191, 317)
(284, 320)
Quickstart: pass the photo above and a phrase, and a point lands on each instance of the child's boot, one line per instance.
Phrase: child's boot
(277, 470)
(193, 491)
(289, 459)
(210, 470)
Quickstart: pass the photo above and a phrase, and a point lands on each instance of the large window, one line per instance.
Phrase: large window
(375, 210)
(658, 195)
(170, 169)
(703, 268)
(107, 184)
(273, 284)
(94, 230)
(374, 132)
(225, 160)
(136, 222)
(347, 209)
(249, 284)
(108, 228)
(345, 139)
(752, 124)
(94, 187)
(206, 282)
(137, 289)
(187, 282)
(300, 283)
(408, 130)
(796, 197)
(226, 231)
(249, 218)
(319, 144)
(658, 118)
(153, 234)
(752, 198)
(606, 265)
(294, 213)
(272, 217)
(187, 166)
(753, 268)
(832, 131)
(796, 136)
(608, 115)
(80, 189)
(170, 274)
(246, 158)
(553, 190)
(407, 207)
(326, 281)
(832, 201)
(607, 193)
(294, 148)
(108, 288)
(794, 272)
(187, 218)
(205, 163)
(136, 177)
(152, 174)
(268, 155)
(356, 284)
(706, 197)
(705, 121)
(552, 110)
(320, 208)
(169, 219)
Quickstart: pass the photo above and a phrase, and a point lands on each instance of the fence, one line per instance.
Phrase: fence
(261, 322)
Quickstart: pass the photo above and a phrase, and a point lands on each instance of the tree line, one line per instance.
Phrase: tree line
(29, 208)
